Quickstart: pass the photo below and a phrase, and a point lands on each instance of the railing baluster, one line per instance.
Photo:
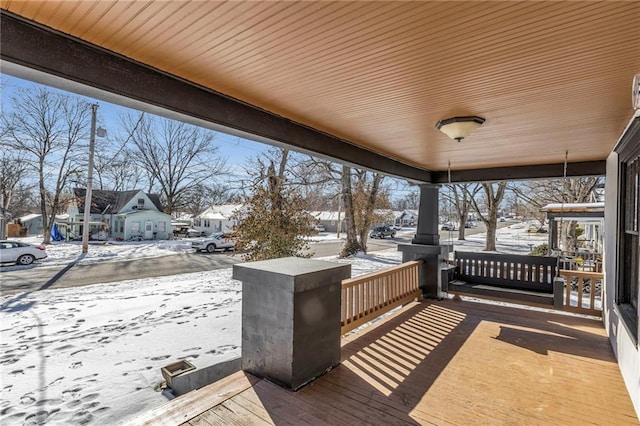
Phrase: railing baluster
(582, 279)
(368, 296)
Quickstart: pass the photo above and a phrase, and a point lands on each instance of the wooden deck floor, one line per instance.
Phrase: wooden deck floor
(446, 362)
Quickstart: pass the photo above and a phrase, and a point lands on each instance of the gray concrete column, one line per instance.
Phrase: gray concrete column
(425, 244)
(290, 318)
(428, 216)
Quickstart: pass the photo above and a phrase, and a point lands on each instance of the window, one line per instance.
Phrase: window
(206, 223)
(135, 227)
(162, 226)
(629, 241)
(141, 203)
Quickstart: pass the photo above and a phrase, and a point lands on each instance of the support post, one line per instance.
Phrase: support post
(427, 232)
(290, 318)
(426, 245)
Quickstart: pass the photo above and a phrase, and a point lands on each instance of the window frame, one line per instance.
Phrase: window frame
(627, 295)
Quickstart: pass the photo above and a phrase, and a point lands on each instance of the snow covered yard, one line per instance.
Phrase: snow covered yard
(92, 355)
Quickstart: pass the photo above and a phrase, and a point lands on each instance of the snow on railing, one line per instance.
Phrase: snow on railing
(369, 296)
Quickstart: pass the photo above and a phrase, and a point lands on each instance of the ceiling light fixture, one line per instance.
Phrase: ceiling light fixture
(458, 128)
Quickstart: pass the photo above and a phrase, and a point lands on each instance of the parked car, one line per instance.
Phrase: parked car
(213, 242)
(449, 227)
(470, 224)
(195, 233)
(21, 253)
(382, 231)
(181, 231)
(319, 228)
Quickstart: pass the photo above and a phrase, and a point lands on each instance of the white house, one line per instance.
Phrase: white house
(407, 218)
(121, 215)
(329, 220)
(216, 218)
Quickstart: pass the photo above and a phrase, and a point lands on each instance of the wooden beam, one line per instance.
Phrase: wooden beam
(587, 168)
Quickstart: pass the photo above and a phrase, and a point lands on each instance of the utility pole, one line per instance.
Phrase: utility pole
(87, 196)
(3, 219)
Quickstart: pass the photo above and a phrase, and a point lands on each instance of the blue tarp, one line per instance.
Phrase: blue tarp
(55, 234)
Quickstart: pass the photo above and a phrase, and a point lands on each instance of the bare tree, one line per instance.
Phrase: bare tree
(48, 129)
(537, 194)
(13, 174)
(175, 156)
(460, 196)
(411, 201)
(361, 193)
(493, 195)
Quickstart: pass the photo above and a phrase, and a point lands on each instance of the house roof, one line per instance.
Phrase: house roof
(409, 212)
(326, 215)
(220, 212)
(32, 216)
(548, 77)
(111, 202)
(29, 217)
(573, 207)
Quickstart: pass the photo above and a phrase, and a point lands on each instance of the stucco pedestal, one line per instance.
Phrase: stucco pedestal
(290, 318)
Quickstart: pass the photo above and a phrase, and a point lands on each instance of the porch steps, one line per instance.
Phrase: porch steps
(485, 291)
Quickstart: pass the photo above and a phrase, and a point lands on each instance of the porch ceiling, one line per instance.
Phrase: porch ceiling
(548, 77)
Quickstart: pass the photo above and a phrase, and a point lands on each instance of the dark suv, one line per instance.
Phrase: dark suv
(382, 231)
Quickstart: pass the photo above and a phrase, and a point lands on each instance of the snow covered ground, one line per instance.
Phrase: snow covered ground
(92, 355)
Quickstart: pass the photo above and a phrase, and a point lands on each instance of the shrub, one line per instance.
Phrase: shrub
(541, 250)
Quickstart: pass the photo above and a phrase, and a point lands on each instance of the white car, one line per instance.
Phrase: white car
(20, 253)
(213, 242)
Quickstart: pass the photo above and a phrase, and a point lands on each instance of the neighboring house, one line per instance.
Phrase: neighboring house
(121, 215)
(383, 217)
(216, 218)
(407, 218)
(330, 220)
(33, 222)
(590, 216)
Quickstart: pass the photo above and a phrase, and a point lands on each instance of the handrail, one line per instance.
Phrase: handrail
(371, 295)
(580, 284)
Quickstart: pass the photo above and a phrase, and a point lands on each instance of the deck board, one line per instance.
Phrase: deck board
(448, 363)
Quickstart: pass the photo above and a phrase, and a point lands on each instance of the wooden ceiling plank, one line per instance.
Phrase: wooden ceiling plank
(233, 24)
